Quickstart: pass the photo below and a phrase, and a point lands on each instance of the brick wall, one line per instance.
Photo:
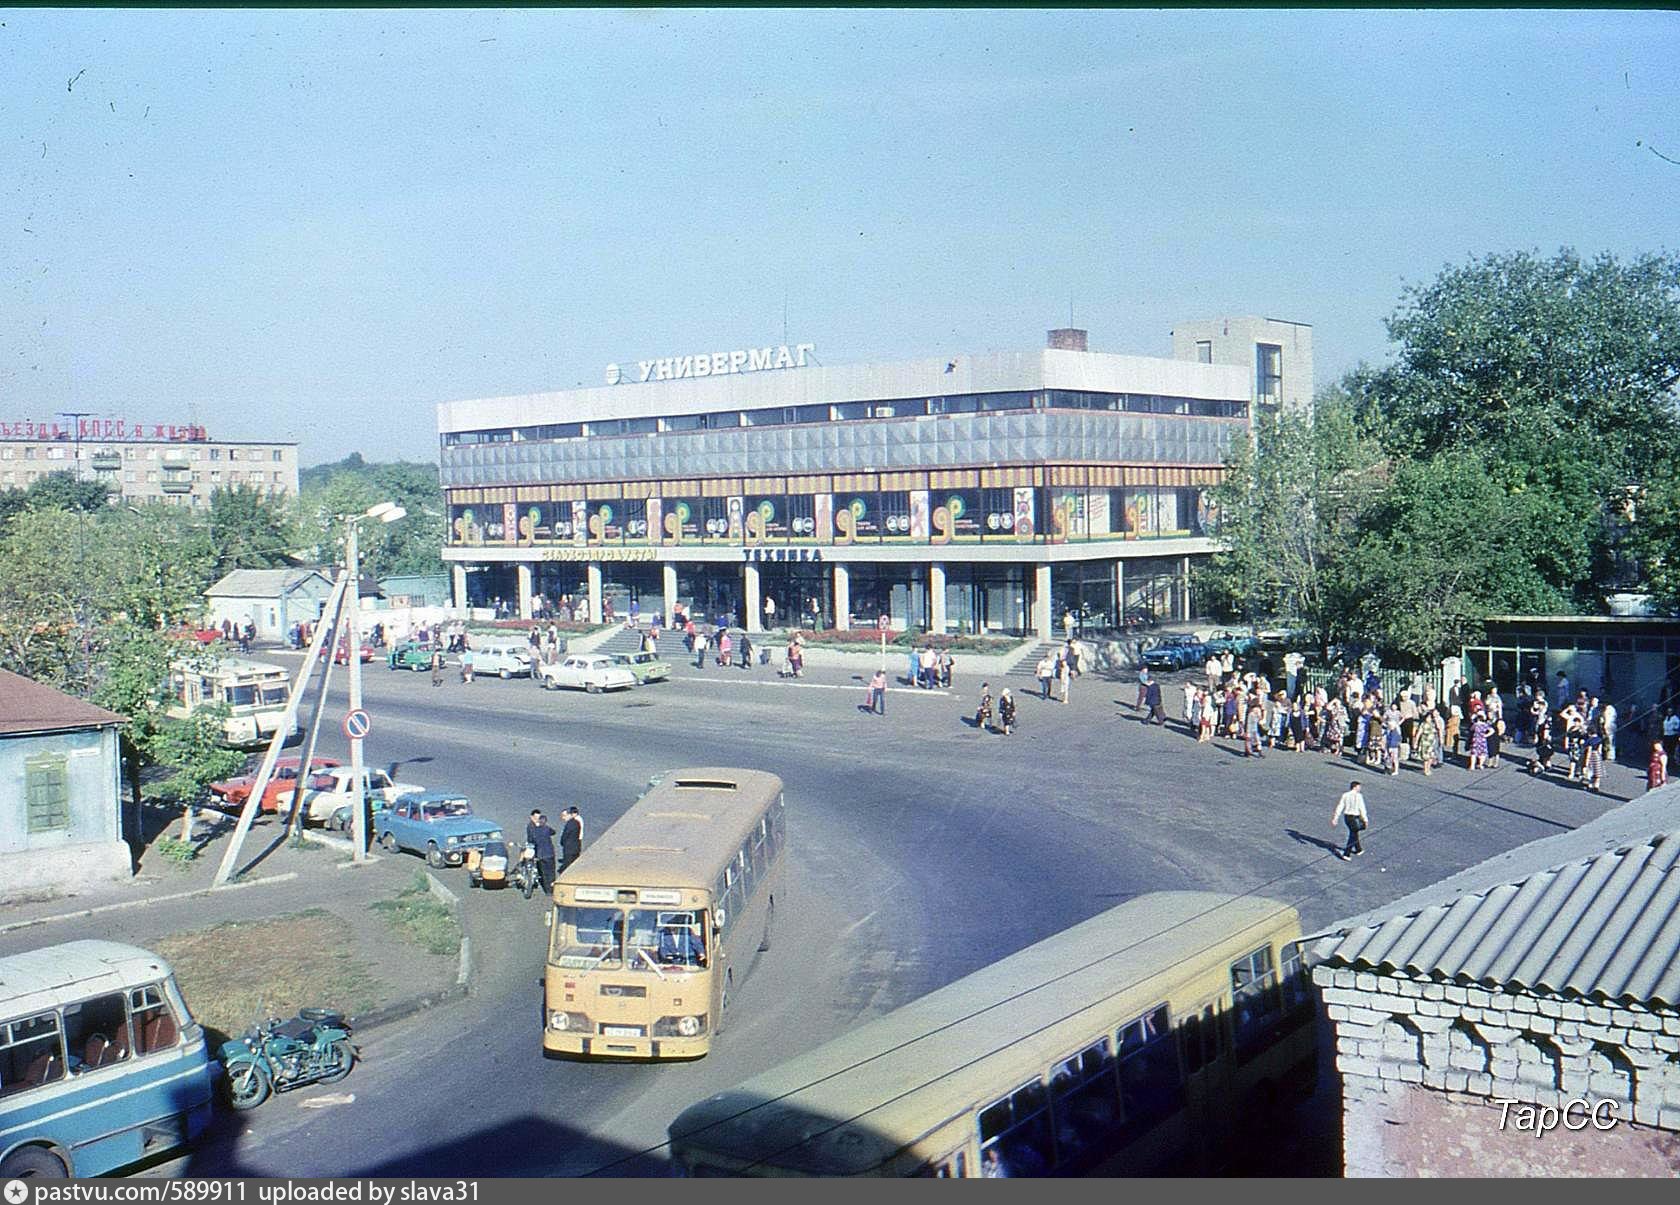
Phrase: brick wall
(1423, 1063)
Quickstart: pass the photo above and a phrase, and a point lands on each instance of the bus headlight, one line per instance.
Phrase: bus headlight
(565, 1022)
(559, 1020)
(688, 1027)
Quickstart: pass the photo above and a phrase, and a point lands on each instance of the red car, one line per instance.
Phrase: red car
(341, 654)
(233, 792)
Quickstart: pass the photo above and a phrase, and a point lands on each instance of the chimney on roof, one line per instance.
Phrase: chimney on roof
(1069, 338)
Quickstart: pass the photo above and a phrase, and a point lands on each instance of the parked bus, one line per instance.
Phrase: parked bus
(1141, 1041)
(101, 1064)
(255, 693)
(661, 918)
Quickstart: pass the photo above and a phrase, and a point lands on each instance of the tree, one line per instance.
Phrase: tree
(411, 545)
(248, 531)
(1288, 514)
(1655, 542)
(55, 491)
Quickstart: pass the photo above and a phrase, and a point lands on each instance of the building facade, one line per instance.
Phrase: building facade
(145, 462)
(976, 494)
(61, 819)
(1521, 1018)
(271, 600)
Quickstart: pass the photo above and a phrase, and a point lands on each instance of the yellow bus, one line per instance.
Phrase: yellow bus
(1137, 1042)
(255, 693)
(659, 920)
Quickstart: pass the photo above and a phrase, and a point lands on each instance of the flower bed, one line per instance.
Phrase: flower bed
(867, 639)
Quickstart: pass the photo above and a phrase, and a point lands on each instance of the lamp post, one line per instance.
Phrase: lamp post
(385, 512)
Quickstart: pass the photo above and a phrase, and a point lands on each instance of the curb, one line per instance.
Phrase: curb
(156, 899)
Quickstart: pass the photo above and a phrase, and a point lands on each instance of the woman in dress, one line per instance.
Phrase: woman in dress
(1204, 722)
(1392, 724)
(1656, 771)
(1334, 727)
(1298, 724)
(1542, 745)
(1455, 720)
(1593, 762)
(1427, 738)
(1479, 730)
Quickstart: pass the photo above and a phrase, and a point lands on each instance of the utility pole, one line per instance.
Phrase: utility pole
(353, 646)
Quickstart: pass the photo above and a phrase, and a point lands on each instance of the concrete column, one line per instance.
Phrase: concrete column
(594, 591)
(1184, 587)
(750, 620)
(522, 572)
(842, 598)
(670, 576)
(1041, 618)
(936, 599)
(1119, 593)
(458, 576)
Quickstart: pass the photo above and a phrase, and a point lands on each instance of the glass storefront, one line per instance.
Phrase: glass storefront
(987, 600)
(1155, 588)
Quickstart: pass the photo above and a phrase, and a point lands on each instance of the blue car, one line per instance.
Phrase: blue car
(1238, 644)
(438, 824)
(1175, 653)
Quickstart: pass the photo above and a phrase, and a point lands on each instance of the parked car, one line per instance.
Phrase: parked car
(233, 792)
(410, 654)
(1238, 644)
(593, 672)
(439, 825)
(1175, 653)
(503, 660)
(647, 667)
(330, 793)
(341, 654)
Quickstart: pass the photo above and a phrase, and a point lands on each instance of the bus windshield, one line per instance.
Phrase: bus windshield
(640, 939)
(242, 695)
(276, 694)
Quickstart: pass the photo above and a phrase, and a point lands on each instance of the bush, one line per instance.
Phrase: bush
(176, 851)
(870, 638)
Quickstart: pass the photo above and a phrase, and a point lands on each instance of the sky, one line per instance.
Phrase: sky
(316, 226)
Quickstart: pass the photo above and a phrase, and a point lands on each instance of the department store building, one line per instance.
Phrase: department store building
(977, 494)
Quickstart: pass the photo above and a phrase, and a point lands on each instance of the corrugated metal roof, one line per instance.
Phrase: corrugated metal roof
(1590, 913)
(28, 706)
(262, 583)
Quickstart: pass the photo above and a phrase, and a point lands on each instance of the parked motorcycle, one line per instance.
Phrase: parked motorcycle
(525, 876)
(276, 1056)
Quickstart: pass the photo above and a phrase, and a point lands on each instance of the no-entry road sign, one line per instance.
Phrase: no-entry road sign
(356, 724)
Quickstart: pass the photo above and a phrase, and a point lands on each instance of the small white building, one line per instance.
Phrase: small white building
(61, 824)
(272, 599)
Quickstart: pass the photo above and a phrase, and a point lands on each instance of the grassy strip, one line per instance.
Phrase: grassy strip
(421, 918)
(236, 973)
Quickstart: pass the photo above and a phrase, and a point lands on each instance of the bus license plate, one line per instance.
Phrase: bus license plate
(622, 1031)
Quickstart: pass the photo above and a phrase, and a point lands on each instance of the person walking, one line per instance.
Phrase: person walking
(983, 713)
(540, 837)
(437, 667)
(1251, 728)
(1064, 674)
(725, 648)
(1656, 770)
(1350, 810)
(699, 649)
(1045, 671)
(746, 651)
(878, 693)
(1157, 713)
(571, 837)
(1427, 738)
(466, 666)
(946, 664)
(1006, 711)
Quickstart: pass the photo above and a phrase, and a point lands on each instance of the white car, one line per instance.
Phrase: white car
(503, 660)
(329, 793)
(593, 672)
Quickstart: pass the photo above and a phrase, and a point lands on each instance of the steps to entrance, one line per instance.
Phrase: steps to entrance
(1027, 666)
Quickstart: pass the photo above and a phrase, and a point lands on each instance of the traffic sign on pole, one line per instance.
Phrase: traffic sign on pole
(356, 724)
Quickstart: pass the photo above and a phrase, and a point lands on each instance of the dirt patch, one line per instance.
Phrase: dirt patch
(420, 917)
(234, 973)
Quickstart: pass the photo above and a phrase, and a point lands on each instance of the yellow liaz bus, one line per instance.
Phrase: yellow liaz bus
(1140, 1041)
(659, 920)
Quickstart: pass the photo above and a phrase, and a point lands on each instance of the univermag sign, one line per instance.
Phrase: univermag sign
(716, 364)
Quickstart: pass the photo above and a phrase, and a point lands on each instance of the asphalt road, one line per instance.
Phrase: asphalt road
(921, 849)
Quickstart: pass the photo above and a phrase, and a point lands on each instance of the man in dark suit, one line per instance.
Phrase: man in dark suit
(539, 835)
(571, 836)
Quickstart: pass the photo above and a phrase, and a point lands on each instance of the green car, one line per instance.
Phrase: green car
(410, 655)
(646, 666)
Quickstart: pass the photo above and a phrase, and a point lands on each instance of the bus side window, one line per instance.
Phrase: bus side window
(1254, 995)
(952, 1167)
(155, 1027)
(1202, 1038)
(31, 1053)
(1015, 1133)
(1086, 1101)
(1295, 980)
(747, 877)
(96, 1032)
(1150, 1084)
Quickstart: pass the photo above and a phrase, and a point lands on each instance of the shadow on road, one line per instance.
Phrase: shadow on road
(1302, 838)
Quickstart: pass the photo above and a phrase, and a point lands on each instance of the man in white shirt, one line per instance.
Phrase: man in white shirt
(1609, 714)
(1350, 808)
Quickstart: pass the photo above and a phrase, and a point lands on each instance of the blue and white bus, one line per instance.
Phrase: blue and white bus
(101, 1064)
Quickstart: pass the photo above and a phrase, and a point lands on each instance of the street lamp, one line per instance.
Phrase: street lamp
(385, 512)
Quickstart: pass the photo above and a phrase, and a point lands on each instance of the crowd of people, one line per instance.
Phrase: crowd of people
(1571, 731)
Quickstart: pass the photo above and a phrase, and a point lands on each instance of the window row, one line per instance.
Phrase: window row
(1054, 514)
(78, 1038)
(777, 416)
(741, 878)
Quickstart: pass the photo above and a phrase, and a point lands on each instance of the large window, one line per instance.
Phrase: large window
(1150, 1086)
(46, 778)
(1085, 1101)
(1268, 373)
(31, 1053)
(1254, 997)
(1015, 1133)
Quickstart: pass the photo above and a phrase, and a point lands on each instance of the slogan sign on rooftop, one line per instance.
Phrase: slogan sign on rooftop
(714, 364)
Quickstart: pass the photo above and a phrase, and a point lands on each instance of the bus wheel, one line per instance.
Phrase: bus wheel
(32, 1163)
(769, 918)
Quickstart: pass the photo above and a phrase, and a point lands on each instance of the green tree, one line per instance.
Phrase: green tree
(1655, 543)
(350, 486)
(248, 531)
(1288, 514)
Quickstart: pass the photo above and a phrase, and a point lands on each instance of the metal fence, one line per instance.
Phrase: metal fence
(1393, 681)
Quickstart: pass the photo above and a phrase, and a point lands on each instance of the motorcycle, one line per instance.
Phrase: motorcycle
(525, 876)
(276, 1056)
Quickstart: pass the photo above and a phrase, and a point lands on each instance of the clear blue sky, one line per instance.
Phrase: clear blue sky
(317, 225)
